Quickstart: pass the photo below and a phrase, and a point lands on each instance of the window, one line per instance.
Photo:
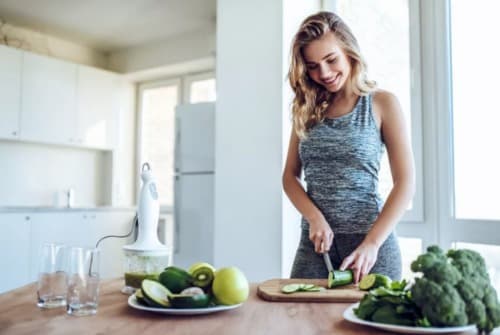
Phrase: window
(453, 115)
(385, 25)
(157, 129)
(202, 90)
(156, 140)
(199, 88)
(476, 117)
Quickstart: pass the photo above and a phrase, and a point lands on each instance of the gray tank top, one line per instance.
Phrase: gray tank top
(341, 160)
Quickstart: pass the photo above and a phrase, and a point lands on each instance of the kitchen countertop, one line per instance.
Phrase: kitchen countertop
(41, 209)
(19, 315)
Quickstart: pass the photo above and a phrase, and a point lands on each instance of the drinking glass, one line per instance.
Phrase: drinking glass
(51, 290)
(83, 281)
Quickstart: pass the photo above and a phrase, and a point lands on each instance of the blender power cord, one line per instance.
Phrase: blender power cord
(134, 225)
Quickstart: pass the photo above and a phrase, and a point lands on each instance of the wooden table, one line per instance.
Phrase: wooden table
(20, 315)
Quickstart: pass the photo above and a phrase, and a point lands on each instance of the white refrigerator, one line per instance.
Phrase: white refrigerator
(194, 184)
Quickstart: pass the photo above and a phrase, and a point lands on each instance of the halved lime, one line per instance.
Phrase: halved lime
(374, 280)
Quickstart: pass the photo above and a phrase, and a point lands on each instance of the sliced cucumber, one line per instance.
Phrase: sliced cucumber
(290, 288)
(374, 280)
(308, 286)
(155, 294)
(300, 287)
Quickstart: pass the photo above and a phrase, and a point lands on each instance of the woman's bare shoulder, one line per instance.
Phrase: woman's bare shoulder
(384, 98)
(385, 102)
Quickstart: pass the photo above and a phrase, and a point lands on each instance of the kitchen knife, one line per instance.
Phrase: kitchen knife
(329, 266)
(328, 261)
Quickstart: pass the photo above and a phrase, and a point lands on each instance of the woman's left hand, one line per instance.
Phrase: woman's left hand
(361, 260)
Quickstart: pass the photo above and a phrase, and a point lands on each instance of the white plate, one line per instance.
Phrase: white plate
(350, 316)
(132, 302)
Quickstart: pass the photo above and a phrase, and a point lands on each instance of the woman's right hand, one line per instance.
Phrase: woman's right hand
(321, 235)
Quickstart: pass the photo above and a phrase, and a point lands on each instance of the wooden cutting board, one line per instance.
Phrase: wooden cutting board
(270, 290)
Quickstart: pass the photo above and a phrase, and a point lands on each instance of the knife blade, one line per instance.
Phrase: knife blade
(328, 261)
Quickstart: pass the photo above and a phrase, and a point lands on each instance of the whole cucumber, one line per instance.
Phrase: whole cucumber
(340, 278)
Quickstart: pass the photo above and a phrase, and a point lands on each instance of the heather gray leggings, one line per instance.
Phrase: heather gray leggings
(309, 264)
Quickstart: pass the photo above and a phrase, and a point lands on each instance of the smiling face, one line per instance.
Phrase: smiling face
(326, 62)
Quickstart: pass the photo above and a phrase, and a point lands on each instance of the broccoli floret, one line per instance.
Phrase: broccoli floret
(455, 289)
(435, 266)
(468, 262)
(477, 313)
(492, 305)
(441, 303)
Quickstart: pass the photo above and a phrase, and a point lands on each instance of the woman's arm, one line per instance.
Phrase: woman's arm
(396, 138)
(320, 232)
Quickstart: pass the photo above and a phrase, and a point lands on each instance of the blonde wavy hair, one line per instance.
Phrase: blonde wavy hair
(311, 100)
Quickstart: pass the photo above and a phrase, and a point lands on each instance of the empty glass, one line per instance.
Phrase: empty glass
(51, 290)
(83, 281)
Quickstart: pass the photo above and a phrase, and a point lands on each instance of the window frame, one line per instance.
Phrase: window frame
(441, 226)
(453, 229)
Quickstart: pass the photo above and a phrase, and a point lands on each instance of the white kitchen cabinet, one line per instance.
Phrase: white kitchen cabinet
(23, 235)
(15, 250)
(10, 91)
(97, 108)
(48, 99)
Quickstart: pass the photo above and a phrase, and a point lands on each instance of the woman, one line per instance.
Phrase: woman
(341, 123)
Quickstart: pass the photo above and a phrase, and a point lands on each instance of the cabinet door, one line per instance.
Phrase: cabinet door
(49, 99)
(69, 228)
(15, 251)
(97, 108)
(10, 91)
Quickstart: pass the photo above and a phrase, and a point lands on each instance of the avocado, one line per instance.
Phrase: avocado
(155, 294)
(189, 301)
(175, 279)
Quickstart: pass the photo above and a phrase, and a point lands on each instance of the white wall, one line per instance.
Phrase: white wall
(124, 167)
(37, 42)
(31, 174)
(249, 133)
(179, 49)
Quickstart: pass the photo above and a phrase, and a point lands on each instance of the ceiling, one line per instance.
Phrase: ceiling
(109, 25)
